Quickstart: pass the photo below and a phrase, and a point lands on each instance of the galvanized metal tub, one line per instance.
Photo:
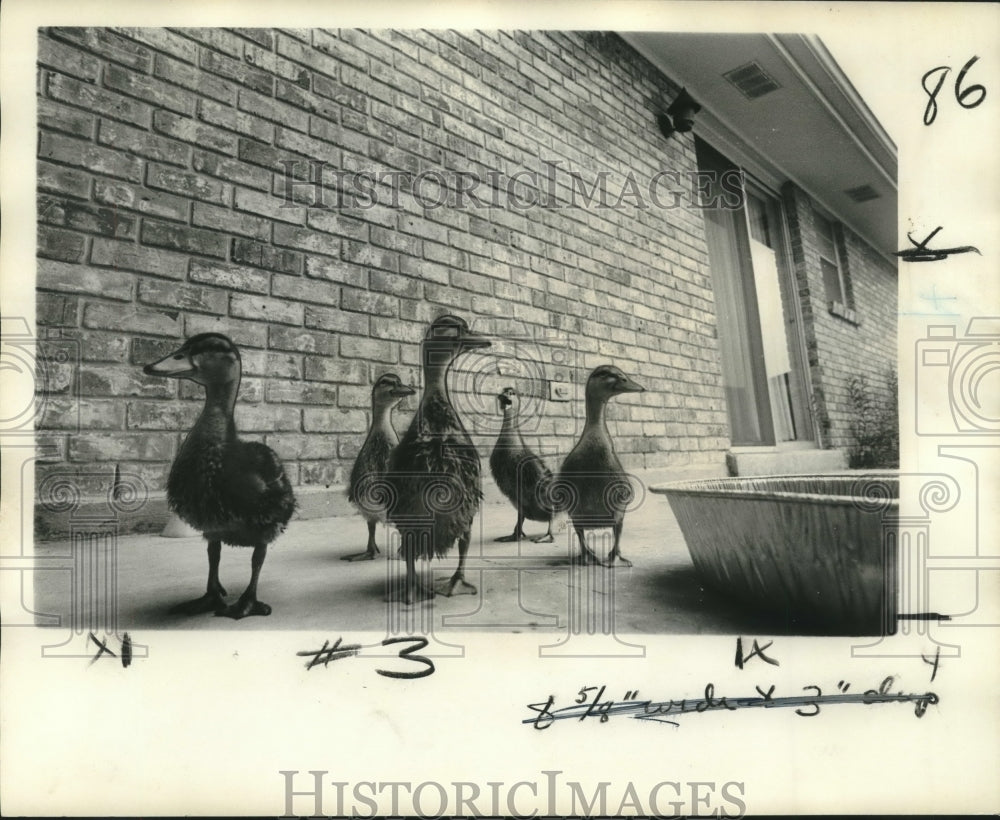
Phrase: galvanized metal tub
(817, 549)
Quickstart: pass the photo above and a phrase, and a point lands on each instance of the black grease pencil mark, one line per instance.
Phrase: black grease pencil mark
(961, 95)
(335, 652)
(921, 253)
(934, 664)
(328, 653)
(102, 648)
(756, 652)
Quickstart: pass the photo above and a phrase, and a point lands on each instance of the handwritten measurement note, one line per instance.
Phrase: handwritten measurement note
(590, 701)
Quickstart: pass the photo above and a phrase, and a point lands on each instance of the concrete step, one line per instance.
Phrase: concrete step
(779, 461)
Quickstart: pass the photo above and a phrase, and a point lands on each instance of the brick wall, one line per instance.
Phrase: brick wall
(162, 178)
(839, 348)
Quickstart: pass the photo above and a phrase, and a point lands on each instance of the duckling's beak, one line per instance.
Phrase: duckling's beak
(631, 387)
(174, 365)
(402, 391)
(472, 340)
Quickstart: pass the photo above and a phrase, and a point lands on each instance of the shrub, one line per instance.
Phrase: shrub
(875, 427)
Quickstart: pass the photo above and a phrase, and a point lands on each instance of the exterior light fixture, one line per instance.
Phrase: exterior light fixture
(679, 116)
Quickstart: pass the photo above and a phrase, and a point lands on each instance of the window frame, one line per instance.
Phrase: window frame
(843, 305)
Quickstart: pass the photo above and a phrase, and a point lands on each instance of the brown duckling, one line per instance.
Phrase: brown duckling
(232, 491)
(434, 471)
(367, 490)
(520, 474)
(591, 475)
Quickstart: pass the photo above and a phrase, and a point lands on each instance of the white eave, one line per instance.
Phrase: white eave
(814, 129)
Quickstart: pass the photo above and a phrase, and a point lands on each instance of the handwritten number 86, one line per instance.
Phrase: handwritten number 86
(961, 96)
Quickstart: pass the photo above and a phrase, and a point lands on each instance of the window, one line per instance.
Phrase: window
(833, 262)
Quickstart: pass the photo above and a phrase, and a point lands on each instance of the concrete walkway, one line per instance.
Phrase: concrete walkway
(522, 587)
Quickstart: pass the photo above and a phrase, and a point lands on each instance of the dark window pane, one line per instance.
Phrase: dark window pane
(831, 281)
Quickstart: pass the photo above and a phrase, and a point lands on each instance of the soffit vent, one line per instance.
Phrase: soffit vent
(751, 80)
(863, 193)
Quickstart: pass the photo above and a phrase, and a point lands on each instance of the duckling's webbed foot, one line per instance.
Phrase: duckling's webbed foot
(215, 593)
(586, 555)
(517, 535)
(246, 605)
(456, 585)
(368, 555)
(544, 539)
(615, 558)
(410, 591)
(209, 602)
(370, 551)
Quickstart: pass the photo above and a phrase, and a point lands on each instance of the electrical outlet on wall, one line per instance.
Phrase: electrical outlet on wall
(559, 391)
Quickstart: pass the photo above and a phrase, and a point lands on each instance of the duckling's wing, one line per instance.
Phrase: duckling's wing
(505, 468)
(592, 486)
(536, 481)
(256, 484)
(435, 484)
(433, 475)
(535, 467)
(259, 467)
(366, 486)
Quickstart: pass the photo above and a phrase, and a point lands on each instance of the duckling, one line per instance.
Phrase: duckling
(367, 488)
(232, 491)
(520, 474)
(592, 474)
(434, 472)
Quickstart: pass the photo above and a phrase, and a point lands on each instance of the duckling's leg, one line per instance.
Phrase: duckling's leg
(248, 603)
(215, 595)
(586, 554)
(547, 538)
(371, 551)
(518, 533)
(457, 585)
(413, 589)
(615, 558)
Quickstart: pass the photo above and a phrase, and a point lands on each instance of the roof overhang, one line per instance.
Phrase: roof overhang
(814, 129)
